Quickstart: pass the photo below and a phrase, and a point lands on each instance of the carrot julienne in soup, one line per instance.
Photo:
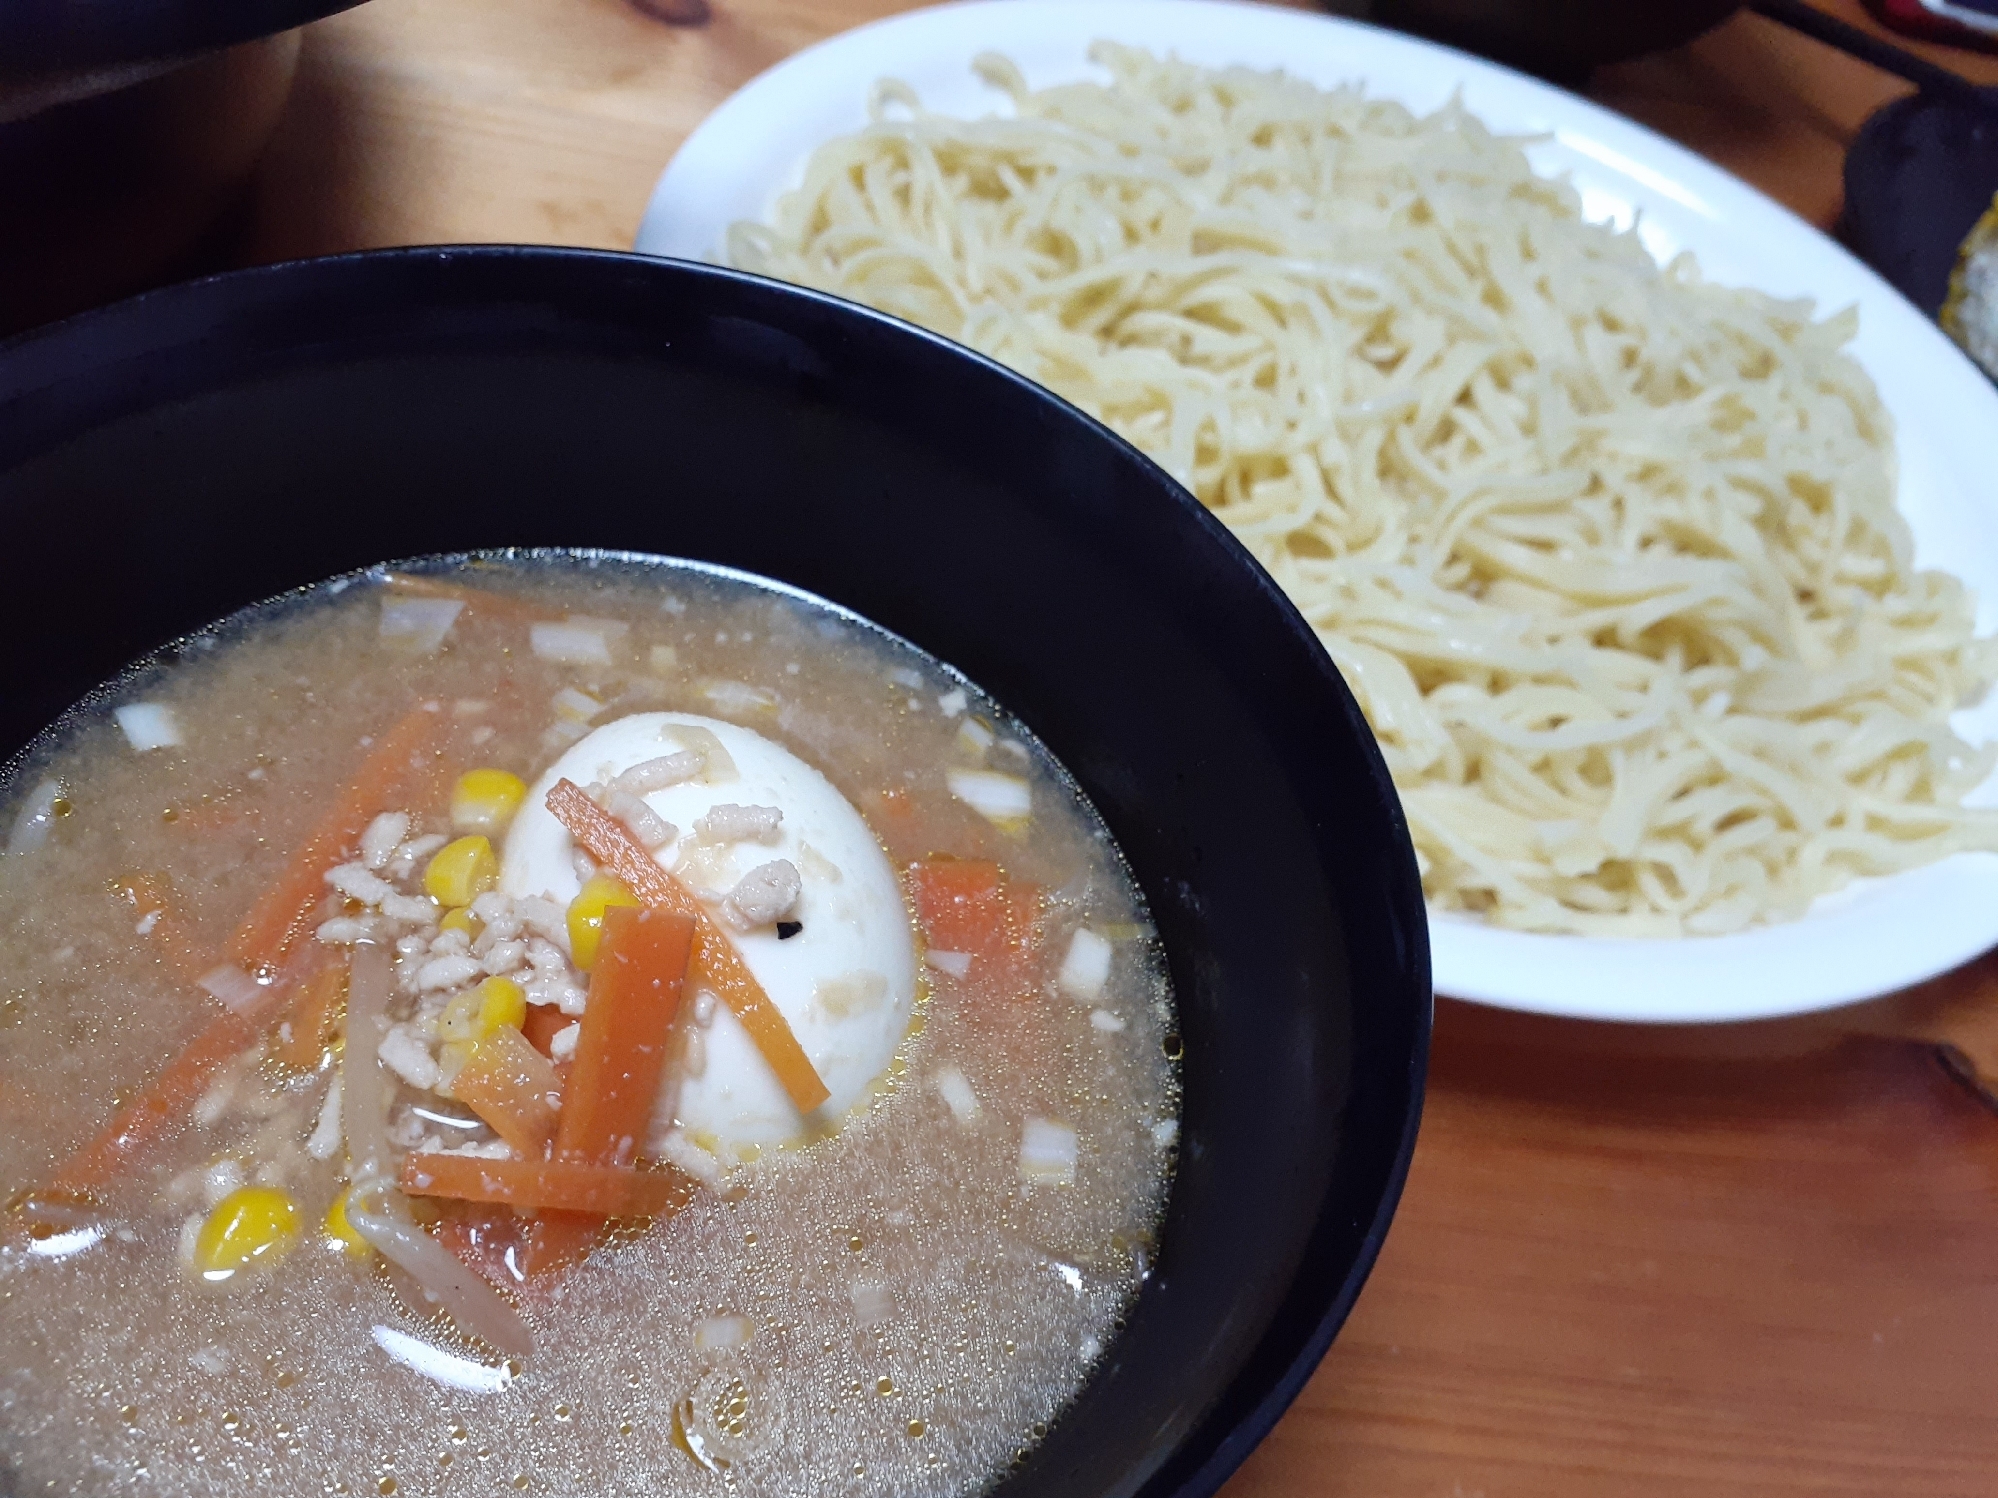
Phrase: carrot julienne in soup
(532, 1015)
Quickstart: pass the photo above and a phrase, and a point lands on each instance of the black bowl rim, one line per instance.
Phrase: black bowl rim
(91, 341)
(40, 38)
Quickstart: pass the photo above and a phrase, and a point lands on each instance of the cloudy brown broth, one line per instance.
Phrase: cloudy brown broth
(901, 1303)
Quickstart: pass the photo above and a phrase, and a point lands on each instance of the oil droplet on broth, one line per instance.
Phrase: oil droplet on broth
(884, 1385)
(917, 1430)
(387, 1486)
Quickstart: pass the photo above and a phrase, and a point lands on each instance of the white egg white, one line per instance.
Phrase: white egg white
(846, 982)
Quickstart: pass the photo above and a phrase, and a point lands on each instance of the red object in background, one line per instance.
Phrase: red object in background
(1937, 20)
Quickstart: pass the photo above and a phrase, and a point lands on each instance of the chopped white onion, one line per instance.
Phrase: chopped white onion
(579, 707)
(212, 1360)
(717, 764)
(1104, 1020)
(1001, 799)
(956, 1092)
(718, 1333)
(737, 698)
(575, 641)
(1086, 968)
(872, 1303)
(1165, 1135)
(233, 988)
(1047, 1153)
(148, 725)
(953, 702)
(35, 818)
(957, 964)
(974, 738)
(419, 624)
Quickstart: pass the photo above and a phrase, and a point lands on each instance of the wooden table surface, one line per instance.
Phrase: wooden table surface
(1754, 1261)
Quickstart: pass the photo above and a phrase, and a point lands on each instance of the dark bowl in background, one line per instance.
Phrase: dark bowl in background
(1562, 40)
(1918, 176)
(129, 130)
(168, 460)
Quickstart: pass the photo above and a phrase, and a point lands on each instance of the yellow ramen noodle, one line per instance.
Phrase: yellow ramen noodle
(1608, 554)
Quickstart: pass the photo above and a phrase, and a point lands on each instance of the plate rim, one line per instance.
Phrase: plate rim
(1554, 966)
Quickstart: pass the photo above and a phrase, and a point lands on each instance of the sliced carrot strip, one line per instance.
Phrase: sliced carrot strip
(513, 1087)
(321, 999)
(963, 906)
(543, 1023)
(968, 905)
(716, 960)
(403, 768)
(166, 1101)
(165, 924)
(543, 1185)
(635, 991)
(621, 1050)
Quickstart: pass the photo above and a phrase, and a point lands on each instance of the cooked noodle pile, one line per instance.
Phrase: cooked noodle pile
(1609, 555)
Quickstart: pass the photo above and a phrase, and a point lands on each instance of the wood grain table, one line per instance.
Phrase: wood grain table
(1759, 1260)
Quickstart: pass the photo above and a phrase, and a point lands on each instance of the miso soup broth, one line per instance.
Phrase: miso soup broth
(561, 1023)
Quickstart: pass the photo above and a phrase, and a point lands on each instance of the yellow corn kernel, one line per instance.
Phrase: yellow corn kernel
(340, 1232)
(461, 871)
(502, 1005)
(461, 920)
(459, 1023)
(485, 800)
(586, 916)
(251, 1225)
(474, 1014)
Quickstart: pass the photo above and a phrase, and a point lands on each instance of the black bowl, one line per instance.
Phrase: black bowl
(173, 458)
(1563, 40)
(1918, 176)
(44, 39)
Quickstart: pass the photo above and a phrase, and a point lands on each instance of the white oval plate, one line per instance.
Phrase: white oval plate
(1869, 939)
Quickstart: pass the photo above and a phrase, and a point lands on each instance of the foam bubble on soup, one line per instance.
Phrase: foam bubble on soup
(591, 1026)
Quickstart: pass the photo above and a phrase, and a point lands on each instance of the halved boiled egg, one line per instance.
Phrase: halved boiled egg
(844, 970)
